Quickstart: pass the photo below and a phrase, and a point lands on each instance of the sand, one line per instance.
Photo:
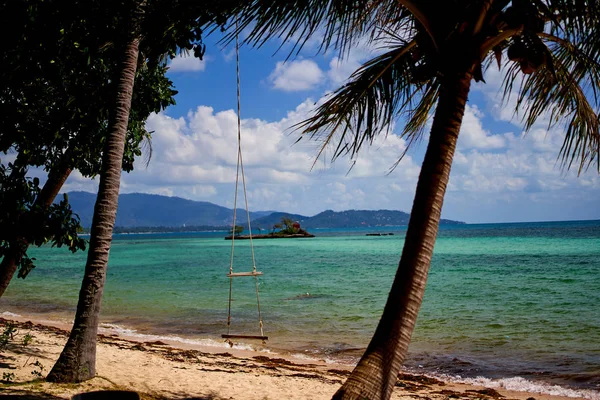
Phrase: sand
(158, 370)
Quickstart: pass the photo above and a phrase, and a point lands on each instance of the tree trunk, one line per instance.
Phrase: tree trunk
(376, 373)
(8, 267)
(77, 361)
(56, 180)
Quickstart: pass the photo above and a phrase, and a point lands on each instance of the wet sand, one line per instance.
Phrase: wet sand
(161, 370)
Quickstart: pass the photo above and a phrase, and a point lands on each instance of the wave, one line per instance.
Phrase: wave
(9, 314)
(108, 329)
(519, 384)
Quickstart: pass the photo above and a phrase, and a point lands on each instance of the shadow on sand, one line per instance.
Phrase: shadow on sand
(16, 394)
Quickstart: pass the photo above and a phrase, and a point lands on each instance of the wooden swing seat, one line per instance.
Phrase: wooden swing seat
(251, 273)
(258, 337)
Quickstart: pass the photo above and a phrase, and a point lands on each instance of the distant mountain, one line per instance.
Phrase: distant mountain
(275, 218)
(82, 204)
(149, 210)
(356, 218)
(139, 209)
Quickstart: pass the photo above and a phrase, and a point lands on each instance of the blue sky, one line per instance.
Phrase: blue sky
(499, 174)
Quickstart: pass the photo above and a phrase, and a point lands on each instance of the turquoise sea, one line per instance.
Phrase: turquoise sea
(516, 305)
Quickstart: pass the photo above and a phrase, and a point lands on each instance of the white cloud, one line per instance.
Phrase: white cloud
(195, 157)
(340, 68)
(228, 54)
(496, 175)
(493, 164)
(187, 63)
(77, 182)
(294, 76)
(337, 187)
(504, 108)
(474, 136)
(520, 180)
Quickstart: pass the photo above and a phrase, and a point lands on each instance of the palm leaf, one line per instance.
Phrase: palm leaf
(418, 116)
(574, 19)
(340, 23)
(568, 93)
(377, 93)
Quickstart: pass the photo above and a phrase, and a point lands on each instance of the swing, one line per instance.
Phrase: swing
(254, 273)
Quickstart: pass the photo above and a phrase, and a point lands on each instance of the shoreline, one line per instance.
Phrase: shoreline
(133, 363)
(205, 345)
(421, 360)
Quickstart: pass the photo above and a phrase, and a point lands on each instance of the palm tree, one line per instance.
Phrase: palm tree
(288, 225)
(161, 27)
(275, 227)
(77, 361)
(548, 50)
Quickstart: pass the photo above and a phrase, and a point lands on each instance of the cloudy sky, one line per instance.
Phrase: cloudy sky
(500, 174)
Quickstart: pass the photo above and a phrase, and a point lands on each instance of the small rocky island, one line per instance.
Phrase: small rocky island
(287, 229)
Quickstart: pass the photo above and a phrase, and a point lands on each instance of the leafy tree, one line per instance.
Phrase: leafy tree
(548, 51)
(287, 225)
(237, 230)
(275, 227)
(24, 220)
(57, 82)
(141, 31)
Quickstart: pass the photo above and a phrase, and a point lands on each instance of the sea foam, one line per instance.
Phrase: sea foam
(106, 328)
(523, 385)
(9, 314)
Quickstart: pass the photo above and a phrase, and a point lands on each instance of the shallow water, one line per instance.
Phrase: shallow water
(502, 301)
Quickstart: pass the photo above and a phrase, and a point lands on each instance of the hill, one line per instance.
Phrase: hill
(141, 210)
(137, 210)
(275, 218)
(356, 218)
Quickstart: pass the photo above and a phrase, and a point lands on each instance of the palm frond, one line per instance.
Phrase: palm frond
(424, 12)
(574, 19)
(376, 94)
(418, 116)
(341, 23)
(147, 148)
(568, 93)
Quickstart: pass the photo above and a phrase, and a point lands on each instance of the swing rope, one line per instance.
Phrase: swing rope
(240, 169)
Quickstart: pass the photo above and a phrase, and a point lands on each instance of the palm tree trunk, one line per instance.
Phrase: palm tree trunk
(376, 373)
(56, 179)
(77, 361)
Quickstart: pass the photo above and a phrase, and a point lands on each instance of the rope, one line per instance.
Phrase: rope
(240, 168)
(237, 178)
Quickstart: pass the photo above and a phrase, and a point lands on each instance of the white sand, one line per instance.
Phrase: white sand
(160, 371)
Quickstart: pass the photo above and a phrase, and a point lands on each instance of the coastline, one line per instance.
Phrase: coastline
(510, 307)
(176, 369)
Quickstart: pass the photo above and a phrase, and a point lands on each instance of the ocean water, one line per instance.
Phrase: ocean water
(516, 305)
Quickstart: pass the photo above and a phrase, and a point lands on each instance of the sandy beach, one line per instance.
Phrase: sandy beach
(159, 370)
